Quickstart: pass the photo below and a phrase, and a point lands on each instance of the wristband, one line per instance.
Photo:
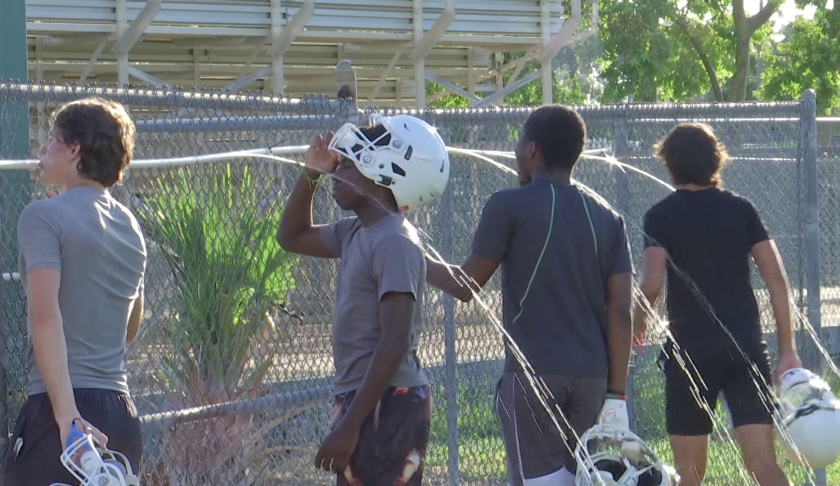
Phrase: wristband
(616, 395)
(312, 182)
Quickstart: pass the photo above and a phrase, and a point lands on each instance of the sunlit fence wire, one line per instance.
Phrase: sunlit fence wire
(251, 408)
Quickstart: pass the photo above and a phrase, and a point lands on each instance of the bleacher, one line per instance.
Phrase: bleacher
(215, 43)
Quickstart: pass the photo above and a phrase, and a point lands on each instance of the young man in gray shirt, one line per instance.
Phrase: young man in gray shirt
(566, 298)
(382, 410)
(82, 261)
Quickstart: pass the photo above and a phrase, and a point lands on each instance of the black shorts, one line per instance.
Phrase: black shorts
(35, 461)
(533, 445)
(392, 441)
(745, 384)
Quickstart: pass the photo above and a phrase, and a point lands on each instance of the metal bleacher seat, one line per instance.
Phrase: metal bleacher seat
(213, 43)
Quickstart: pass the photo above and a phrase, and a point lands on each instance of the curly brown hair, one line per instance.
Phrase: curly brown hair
(105, 135)
(693, 155)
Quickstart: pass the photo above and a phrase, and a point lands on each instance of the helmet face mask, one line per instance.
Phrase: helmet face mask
(600, 461)
(93, 466)
(409, 158)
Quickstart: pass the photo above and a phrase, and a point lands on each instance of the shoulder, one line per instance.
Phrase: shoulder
(126, 213)
(41, 211)
(736, 199)
(511, 200)
(602, 210)
(399, 236)
(666, 202)
(344, 227)
(666, 205)
(504, 198)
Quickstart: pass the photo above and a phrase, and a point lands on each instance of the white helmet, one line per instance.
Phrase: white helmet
(811, 419)
(97, 467)
(414, 164)
(600, 461)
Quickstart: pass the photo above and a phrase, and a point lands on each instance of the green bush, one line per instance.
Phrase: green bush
(227, 271)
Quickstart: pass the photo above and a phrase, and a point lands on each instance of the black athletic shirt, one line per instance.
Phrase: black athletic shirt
(558, 305)
(708, 235)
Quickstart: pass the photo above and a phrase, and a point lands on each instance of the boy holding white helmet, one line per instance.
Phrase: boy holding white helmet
(566, 297)
(701, 237)
(382, 409)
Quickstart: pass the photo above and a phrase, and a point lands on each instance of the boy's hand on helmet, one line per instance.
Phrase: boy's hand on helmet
(787, 361)
(614, 413)
(319, 160)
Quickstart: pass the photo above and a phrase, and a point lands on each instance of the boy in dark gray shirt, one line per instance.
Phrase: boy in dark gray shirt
(382, 409)
(566, 297)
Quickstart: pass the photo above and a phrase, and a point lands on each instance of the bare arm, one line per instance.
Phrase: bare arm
(48, 342)
(772, 271)
(296, 233)
(490, 244)
(653, 279)
(619, 329)
(461, 282)
(136, 318)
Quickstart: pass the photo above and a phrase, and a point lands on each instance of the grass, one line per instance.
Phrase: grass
(481, 447)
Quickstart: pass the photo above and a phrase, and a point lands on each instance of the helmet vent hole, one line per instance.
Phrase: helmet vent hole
(397, 170)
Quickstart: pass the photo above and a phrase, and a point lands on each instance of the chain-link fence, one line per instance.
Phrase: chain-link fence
(241, 394)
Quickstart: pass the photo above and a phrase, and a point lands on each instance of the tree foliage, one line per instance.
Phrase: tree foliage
(675, 50)
(689, 50)
(809, 57)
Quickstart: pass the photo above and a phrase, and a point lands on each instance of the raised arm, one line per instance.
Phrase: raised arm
(296, 233)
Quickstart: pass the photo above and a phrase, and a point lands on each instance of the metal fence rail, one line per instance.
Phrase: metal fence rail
(258, 417)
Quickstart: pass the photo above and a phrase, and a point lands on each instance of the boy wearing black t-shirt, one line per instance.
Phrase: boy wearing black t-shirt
(707, 236)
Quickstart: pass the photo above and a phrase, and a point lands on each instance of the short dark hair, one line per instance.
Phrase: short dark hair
(560, 134)
(105, 134)
(693, 155)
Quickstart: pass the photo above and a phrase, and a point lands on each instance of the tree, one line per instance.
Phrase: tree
(644, 57)
(662, 49)
(809, 57)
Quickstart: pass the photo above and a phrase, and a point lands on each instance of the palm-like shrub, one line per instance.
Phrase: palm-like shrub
(228, 273)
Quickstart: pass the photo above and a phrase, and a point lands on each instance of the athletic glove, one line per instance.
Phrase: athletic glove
(614, 413)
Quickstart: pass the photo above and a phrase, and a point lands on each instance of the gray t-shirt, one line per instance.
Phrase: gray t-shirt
(561, 324)
(381, 258)
(100, 250)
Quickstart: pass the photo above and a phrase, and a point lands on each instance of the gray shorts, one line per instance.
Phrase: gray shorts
(534, 446)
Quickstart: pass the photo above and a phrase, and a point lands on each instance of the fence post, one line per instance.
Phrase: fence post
(4, 354)
(14, 191)
(345, 77)
(621, 151)
(808, 148)
(450, 370)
